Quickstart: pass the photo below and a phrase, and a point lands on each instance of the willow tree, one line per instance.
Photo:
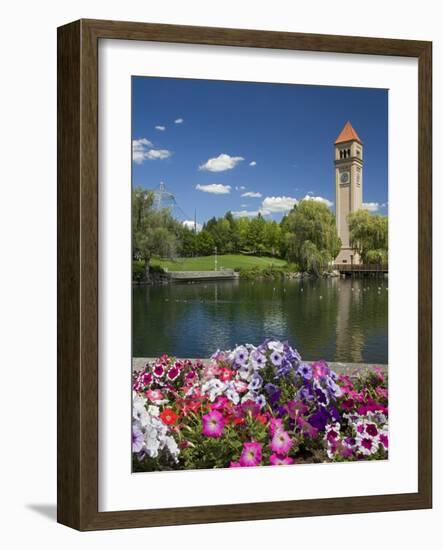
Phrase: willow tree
(368, 235)
(311, 236)
(154, 232)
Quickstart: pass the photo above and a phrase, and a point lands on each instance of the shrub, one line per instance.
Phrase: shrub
(138, 271)
(156, 269)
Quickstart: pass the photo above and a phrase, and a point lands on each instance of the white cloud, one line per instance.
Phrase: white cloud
(190, 225)
(240, 187)
(246, 213)
(371, 206)
(252, 163)
(154, 154)
(142, 150)
(221, 163)
(271, 205)
(141, 143)
(252, 194)
(161, 128)
(214, 188)
(318, 199)
(178, 121)
(139, 147)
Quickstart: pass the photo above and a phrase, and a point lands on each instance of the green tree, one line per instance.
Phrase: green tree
(204, 243)
(255, 235)
(188, 242)
(311, 236)
(243, 230)
(154, 233)
(368, 235)
(272, 238)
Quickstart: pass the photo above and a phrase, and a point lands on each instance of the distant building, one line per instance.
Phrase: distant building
(348, 187)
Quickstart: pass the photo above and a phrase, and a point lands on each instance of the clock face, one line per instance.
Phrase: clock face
(344, 178)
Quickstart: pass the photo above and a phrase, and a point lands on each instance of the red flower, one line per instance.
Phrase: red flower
(237, 421)
(169, 417)
(226, 375)
(262, 418)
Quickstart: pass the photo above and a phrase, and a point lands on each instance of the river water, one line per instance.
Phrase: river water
(332, 319)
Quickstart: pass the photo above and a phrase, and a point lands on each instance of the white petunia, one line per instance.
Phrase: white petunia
(213, 388)
(274, 345)
(246, 372)
(250, 396)
(172, 446)
(139, 411)
(154, 410)
(152, 443)
(232, 395)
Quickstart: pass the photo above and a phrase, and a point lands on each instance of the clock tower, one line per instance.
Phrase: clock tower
(348, 187)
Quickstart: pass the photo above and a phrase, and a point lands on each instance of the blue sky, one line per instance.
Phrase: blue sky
(249, 147)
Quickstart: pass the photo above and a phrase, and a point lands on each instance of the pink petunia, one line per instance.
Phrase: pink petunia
(213, 424)
(281, 443)
(319, 369)
(276, 425)
(211, 371)
(276, 460)
(219, 403)
(154, 395)
(251, 454)
(240, 386)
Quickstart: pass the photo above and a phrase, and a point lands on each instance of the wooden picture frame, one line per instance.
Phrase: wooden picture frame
(78, 274)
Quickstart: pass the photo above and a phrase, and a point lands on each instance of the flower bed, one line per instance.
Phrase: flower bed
(255, 406)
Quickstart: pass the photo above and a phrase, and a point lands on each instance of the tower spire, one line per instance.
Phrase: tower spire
(348, 134)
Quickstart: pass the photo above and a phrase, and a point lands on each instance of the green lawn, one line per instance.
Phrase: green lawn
(229, 261)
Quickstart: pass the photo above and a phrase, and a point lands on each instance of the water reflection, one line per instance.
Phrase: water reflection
(335, 319)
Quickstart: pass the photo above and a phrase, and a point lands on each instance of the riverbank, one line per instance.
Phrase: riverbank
(347, 369)
(159, 277)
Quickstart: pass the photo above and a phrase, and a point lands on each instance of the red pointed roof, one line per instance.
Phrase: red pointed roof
(348, 134)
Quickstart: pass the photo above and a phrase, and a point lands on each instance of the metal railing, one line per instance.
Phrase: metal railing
(361, 267)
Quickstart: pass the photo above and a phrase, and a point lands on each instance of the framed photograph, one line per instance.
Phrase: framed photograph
(244, 275)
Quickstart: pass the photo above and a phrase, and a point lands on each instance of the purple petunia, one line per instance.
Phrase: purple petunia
(256, 382)
(274, 393)
(137, 439)
(305, 370)
(319, 419)
(241, 355)
(276, 358)
(258, 359)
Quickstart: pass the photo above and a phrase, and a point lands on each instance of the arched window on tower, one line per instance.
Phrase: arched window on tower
(349, 152)
(341, 154)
